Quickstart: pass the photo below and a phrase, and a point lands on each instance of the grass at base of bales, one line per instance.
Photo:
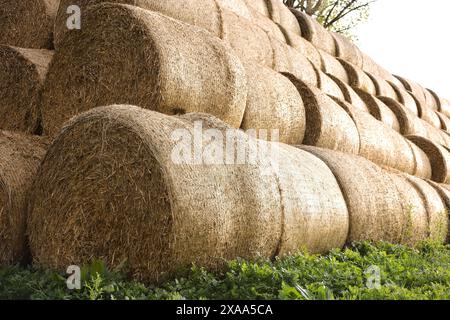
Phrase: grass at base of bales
(405, 273)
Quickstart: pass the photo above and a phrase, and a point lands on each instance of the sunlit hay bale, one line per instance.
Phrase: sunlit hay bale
(27, 23)
(328, 86)
(347, 50)
(445, 121)
(369, 65)
(379, 143)
(20, 156)
(237, 6)
(409, 123)
(268, 26)
(417, 225)
(132, 192)
(358, 79)
(379, 110)
(382, 87)
(427, 114)
(273, 103)
(373, 201)
(444, 192)
(327, 124)
(445, 107)
(416, 90)
(22, 75)
(350, 95)
(332, 66)
(405, 98)
(315, 33)
(130, 55)
(305, 47)
(315, 214)
(259, 6)
(423, 164)
(289, 60)
(438, 155)
(281, 15)
(436, 209)
(430, 99)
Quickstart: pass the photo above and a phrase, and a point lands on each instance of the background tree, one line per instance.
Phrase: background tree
(341, 16)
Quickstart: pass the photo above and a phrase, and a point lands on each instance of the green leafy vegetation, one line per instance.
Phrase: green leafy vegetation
(351, 273)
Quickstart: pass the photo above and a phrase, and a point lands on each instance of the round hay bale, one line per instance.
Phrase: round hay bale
(288, 60)
(357, 78)
(382, 87)
(445, 107)
(315, 213)
(328, 86)
(409, 123)
(430, 100)
(444, 192)
(203, 14)
(259, 6)
(417, 226)
(305, 47)
(27, 23)
(379, 110)
(445, 121)
(162, 213)
(350, 95)
(436, 209)
(268, 26)
(248, 41)
(332, 66)
(20, 156)
(379, 143)
(397, 83)
(140, 63)
(427, 114)
(438, 155)
(273, 103)
(327, 124)
(405, 98)
(372, 67)
(281, 15)
(374, 204)
(315, 32)
(347, 50)
(22, 75)
(237, 6)
(435, 98)
(422, 162)
(416, 90)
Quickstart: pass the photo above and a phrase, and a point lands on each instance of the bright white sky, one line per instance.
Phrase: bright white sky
(411, 38)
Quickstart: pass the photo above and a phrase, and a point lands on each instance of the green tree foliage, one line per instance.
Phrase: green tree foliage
(341, 16)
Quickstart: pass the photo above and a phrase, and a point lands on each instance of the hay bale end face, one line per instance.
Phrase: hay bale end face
(22, 75)
(327, 124)
(358, 79)
(373, 201)
(20, 156)
(163, 212)
(27, 23)
(273, 103)
(135, 56)
(439, 158)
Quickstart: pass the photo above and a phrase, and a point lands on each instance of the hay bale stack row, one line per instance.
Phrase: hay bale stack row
(308, 198)
(22, 76)
(276, 205)
(20, 156)
(28, 23)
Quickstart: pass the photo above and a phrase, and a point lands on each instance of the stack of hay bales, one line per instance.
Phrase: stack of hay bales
(20, 156)
(22, 74)
(27, 23)
(257, 210)
(124, 54)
